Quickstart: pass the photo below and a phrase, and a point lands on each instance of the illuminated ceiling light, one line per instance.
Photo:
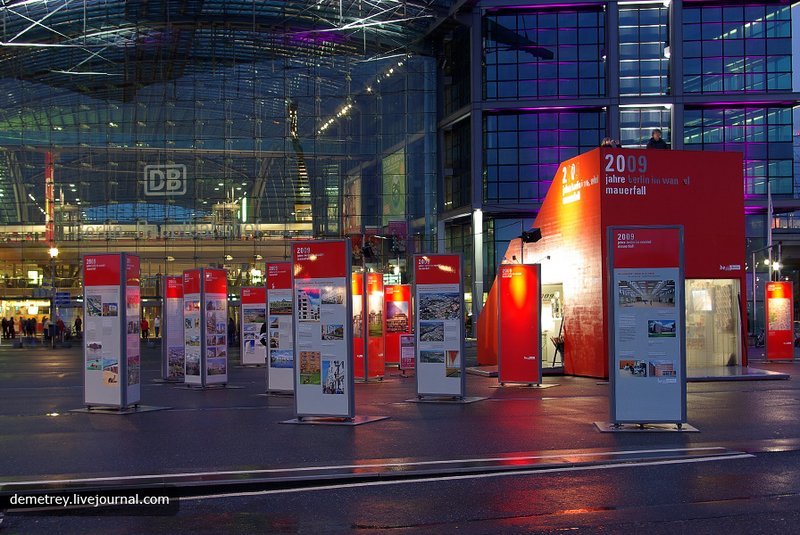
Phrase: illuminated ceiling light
(53, 252)
(228, 257)
(112, 124)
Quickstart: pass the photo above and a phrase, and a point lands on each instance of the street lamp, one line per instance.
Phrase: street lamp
(53, 252)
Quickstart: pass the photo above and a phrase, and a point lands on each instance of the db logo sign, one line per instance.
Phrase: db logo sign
(163, 180)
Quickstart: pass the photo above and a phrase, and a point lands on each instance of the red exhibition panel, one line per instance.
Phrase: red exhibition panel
(174, 287)
(256, 295)
(780, 314)
(375, 327)
(320, 260)
(132, 270)
(357, 286)
(279, 276)
(397, 318)
(519, 335)
(102, 270)
(216, 281)
(647, 248)
(437, 269)
(191, 281)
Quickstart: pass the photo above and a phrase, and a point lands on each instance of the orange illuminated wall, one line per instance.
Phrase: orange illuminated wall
(703, 191)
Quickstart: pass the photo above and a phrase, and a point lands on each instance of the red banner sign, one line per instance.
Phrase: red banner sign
(780, 326)
(646, 247)
(437, 269)
(320, 259)
(519, 337)
(191, 281)
(102, 270)
(279, 276)
(254, 295)
(216, 281)
(174, 287)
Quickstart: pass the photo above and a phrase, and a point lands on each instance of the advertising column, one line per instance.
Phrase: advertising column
(397, 307)
(323, 329)
(111, 330)
(647, 369)
(192, 326)
(359, 326)
(439, 316)
(280, 329)
(215, 303)
(519, 328)
(172, 346)
(780, 313)
(253, 320)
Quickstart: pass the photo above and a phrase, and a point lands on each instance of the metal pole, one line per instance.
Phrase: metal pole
(755, 313)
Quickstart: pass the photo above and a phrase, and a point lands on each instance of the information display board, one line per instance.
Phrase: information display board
(519, 332)
(397, 311)
(439, 320)
(192, 326)
(112, 362)
(280, 328)
(779, 305)
(252, 322)
(407, 351)
(647, 368)
(205, 304)
(324, 381)
(173, 351)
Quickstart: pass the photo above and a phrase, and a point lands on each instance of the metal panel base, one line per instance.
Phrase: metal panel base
(357, 420)
(277, 394)
(446, 399)
(201, 388)
(609, 427)
(120, 412)
(532, 386)
(483, 371)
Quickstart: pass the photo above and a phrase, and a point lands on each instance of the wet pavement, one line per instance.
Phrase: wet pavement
(443, 468)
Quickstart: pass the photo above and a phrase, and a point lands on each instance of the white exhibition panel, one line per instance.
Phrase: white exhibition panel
(322, 341)
(103, 345)
(440, 335)
(193, 335)
(253, 317)
(172, 338)
(280, 340)
(133, 369)
(216, 334)
(647, 340)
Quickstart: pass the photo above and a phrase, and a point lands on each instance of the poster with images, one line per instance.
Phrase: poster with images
(253, 324)
(323, 380)
(172, 325)
(278, 337)
(192, 337)
(647, 298)
(439, 318)
(132, 340)
(216, 315)
(780, 335)
(397, 306)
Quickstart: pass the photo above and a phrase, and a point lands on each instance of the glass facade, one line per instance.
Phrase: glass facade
(637, 123)
(522, 150)
(209, 144)
(762, 135)
(737, 47)
(643, 42)
(554, 53)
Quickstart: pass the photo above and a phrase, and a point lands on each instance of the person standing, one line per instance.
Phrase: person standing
(78, 325)
(656, 142)
(46, 328)
(145, 328)
(157, 325)
(11, 330)
(60, 328)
